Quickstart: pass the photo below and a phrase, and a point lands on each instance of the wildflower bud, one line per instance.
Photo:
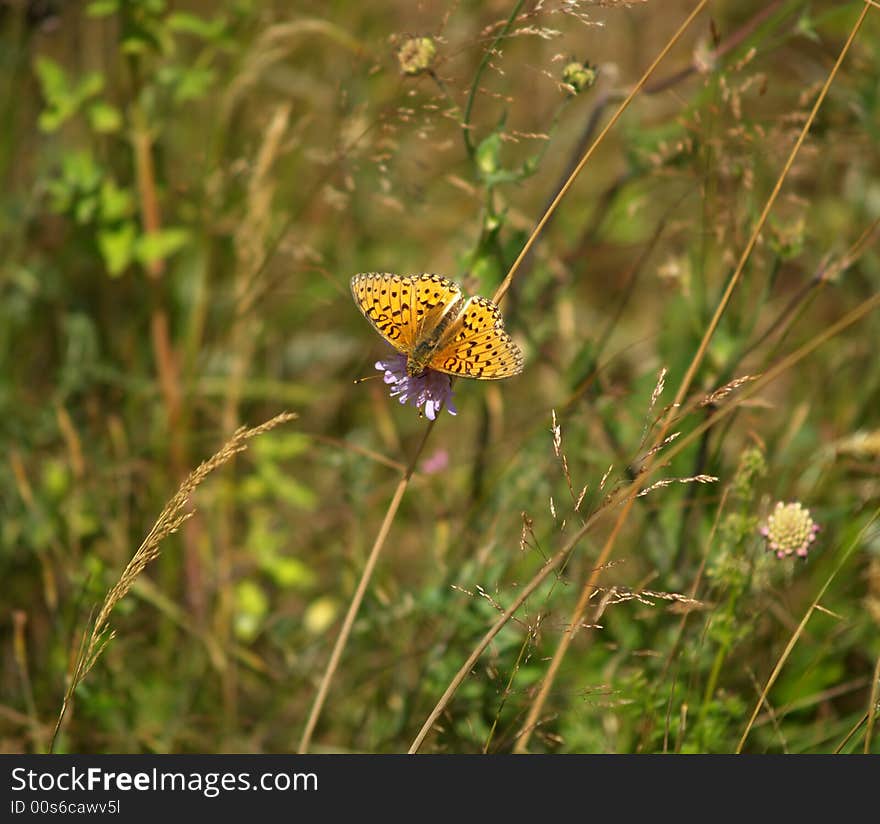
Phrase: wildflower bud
(789, 530)
(788, 241)
(416, 55)
(579, 76)
(752, 465)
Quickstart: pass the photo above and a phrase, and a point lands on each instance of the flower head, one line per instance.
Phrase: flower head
(431, 390)
(578, 76)
(789, 530)
(416, 54)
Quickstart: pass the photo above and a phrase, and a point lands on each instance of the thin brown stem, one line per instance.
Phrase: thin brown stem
(167, 360)
(358, 597)
(848, 737)
(19, 648)
(872, 706)
(553, 563)
(548, 213)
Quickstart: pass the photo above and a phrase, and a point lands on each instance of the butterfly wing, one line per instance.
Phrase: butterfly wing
(437, 300)
(403, 310)
(387, 301)
(476, 345)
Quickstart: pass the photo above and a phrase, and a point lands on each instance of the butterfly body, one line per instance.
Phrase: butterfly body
(428, 318)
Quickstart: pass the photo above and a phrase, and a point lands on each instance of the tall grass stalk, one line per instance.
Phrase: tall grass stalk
(175, 513)
(358, 597)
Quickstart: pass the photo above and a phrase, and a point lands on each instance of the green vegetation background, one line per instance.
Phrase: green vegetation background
(187, 189)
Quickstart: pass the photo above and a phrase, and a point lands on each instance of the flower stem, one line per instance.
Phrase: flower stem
(356, 601)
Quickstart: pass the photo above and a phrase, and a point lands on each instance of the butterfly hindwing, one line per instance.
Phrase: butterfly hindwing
(478, 315)
(477, 346)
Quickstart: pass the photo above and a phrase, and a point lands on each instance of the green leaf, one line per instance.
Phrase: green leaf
(289, 573)
(50, 120)
(507, 176)
(56, 92)
(488, 155)
(281, 445)
(160, 245)
(52, 79)
(264, 540)
(81, 172)
(193, 83)
(484, 269)
(84, 209)
(252, 605)
(104, 118)
(89, 86)
(55, 479)
(320, 614)
(283, 487)
(805, 26)
(102, 8)
(142, 39)
(116, 203)
(117, 246)
(62, 99)
(192, 24)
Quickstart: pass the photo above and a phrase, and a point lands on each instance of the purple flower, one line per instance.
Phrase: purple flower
(789, 530)
(436, 462)
(431, 389)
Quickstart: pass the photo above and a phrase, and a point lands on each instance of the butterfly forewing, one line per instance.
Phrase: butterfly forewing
(386, 301)
(404, 310)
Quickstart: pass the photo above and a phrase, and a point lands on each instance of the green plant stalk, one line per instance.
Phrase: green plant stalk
(487, 56)
(509, 686)
(715, 672)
